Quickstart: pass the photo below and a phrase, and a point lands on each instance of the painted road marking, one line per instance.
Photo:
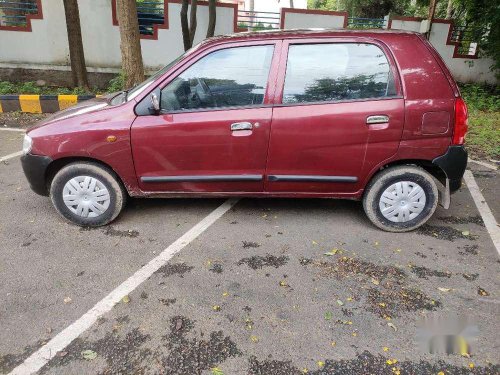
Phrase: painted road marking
(10, 156)
(484, 164)
(484, 209)
(14, 130)
(43, 355)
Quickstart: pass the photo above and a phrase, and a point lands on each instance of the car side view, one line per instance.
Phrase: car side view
(365, 115)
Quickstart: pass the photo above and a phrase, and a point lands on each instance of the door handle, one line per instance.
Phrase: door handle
(377, 119)
(237, 126)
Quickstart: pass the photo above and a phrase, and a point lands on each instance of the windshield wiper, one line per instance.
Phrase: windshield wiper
(125, 93)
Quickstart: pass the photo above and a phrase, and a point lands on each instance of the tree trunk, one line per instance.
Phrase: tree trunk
(76, 54)
(212, 18)
(130, 43)
(252, 14)
(291, 3)
(449, 10)
(185, 25)
(192, 20)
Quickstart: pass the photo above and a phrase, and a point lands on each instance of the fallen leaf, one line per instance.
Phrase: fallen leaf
(217, 371)
(375, 281)
(328, 315)
(391, 361)
(340, 302)
(385, 349)
(216, 308)
(392, 326)
(334, 343)
(482, 292)
(441, 373)
(444, 289)
(62, 354)
(67, 300)
(126, 299)
(465, 233)
(331, 252)
(225, 294)
(89, 355)
(471, 365)
(283, 283)
(314, 242)
(320, 364)
(254, 339)
(305, 371)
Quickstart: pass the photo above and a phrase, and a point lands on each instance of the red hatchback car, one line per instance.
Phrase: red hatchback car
(365, 115)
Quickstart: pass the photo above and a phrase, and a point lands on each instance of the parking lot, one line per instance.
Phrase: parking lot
(272, 286)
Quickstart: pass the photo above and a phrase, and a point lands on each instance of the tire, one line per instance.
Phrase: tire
(94, 195)
(396, 190)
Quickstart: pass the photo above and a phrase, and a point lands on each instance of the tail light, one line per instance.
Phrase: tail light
(460, 128)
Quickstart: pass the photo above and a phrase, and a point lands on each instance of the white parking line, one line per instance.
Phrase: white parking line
(484, 209)
(14, 130)
(43, 355)
(10, 156)
(484, 164)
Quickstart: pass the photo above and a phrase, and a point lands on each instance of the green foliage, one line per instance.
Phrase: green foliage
(117, 83)
(483, 102)
(29, 87)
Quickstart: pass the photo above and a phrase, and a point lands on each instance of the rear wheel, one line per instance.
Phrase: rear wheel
(400, 199)
(87, 194)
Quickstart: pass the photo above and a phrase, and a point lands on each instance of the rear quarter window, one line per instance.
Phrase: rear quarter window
(328, 72)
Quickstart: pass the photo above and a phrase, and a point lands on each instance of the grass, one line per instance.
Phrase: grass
(483, 102)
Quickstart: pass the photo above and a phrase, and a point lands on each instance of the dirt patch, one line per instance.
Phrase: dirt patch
(123, 354)
(471, 249)
(174, 269)
(367, 363)
(483, 174)
(216, 268)
(470, 276)
(424, 272)
(386, 289)
(443, 233)
(463, 220)
(10, 361)
(168, 301)
(110, 231)
(258, 262)
(249, 244)
(20, 120)
(195, 354)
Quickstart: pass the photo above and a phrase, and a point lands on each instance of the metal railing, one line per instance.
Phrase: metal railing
(258, 20)
(467, 39)
(150, 13)
(365, 23)
(14, 12)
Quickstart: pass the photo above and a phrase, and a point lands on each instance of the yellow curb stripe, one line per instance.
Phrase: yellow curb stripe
(30, 103)
(1, 110)
(66, 101)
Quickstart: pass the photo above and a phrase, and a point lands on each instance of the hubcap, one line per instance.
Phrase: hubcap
(402, 201)
(86, 196)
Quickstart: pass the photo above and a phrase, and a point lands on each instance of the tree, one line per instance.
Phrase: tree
(130, 43)
(188, 27)
(449, 10)
(212, 18)
(76, 54)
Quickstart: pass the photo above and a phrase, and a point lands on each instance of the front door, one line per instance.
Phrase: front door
(340, 112)
(213, 130)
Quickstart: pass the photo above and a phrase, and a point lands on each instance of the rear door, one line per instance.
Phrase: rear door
(339, 113)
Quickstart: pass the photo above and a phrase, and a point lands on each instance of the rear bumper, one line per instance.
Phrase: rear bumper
(34, 167)
(453, 164)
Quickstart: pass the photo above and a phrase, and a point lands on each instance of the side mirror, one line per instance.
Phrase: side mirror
(155, 102)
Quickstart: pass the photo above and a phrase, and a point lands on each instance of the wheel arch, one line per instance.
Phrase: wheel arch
(427, 165)
(59, 164)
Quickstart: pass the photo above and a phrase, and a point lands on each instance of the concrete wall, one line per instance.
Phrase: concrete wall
(45, 47)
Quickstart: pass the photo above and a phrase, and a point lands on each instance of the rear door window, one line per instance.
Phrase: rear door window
(232, 77)
(336, 72)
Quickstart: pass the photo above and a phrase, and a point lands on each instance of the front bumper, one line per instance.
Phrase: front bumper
(453, 164)
(34, 167)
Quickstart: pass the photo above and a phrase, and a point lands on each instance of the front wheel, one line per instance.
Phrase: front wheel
(400, 199)
(87, 194)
